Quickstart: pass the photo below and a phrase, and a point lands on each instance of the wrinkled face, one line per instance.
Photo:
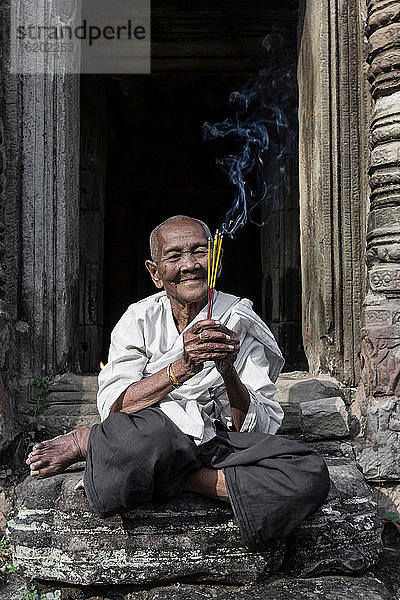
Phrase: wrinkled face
(181, 267)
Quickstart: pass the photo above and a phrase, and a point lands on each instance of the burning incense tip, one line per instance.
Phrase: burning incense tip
(214, 256)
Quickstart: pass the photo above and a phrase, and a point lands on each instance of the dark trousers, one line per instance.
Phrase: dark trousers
(273, 483)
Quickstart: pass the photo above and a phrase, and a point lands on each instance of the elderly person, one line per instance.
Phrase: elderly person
(188, 404)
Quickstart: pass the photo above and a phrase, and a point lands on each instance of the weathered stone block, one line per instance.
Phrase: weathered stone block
(8, 426)
(378, 449)
(344, 536)
(5, 508)
(324, 419)
(326, 588)
(387, 497)
(55, 536)
(296, 387)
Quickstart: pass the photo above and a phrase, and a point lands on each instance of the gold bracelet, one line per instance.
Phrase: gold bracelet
(172, 377)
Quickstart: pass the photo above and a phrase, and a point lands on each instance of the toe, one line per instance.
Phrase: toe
(38, 446)
(47, 472)
(37, 456)
(31, 458)
(39, 464)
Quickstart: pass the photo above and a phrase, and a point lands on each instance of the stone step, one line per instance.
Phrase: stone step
(326, 588)
(323, 588)
(55, 537)
(71, 401)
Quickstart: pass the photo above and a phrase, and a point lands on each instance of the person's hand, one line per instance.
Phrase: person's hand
(225, 365)
(206, 340)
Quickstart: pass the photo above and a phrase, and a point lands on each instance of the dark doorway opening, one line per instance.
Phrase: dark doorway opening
(143, 159)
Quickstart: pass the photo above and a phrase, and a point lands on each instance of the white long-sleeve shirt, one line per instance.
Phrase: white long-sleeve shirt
(146, 340)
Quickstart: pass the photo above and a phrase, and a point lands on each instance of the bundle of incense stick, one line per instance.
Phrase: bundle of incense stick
(214, 255)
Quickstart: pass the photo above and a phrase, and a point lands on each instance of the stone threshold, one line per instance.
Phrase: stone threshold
(71, 400)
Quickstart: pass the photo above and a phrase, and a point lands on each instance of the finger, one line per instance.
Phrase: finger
(205, 324)
(224, 346)
(227, 331)
(214, 347)
(214, 336)
(197, 345)
(212, 357)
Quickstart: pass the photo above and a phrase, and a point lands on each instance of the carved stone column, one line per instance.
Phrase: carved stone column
(41, 121)
(380, 414)
(50, 221)
(8, 424)
(333, 180)
(39, 228)
(8, 428)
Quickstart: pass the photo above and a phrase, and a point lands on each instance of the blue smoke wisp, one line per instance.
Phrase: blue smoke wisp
(264, 134)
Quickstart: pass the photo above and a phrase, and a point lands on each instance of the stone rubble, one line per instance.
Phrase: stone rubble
(325, 418)
(297, 387)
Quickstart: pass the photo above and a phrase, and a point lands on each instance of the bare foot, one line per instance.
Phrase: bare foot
(79, 486)
(54, 456)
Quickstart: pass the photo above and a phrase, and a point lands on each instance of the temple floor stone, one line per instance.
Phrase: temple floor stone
(55, 536)
(325, 588)
(321, 588)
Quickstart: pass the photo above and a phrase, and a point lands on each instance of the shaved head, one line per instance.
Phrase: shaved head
(155, 234)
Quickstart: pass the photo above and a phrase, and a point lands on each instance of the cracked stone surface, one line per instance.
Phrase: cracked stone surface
(328, 588)
(55, 537)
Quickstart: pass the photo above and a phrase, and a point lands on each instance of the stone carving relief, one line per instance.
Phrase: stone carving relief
(383, 234)
(383, 36)
(383, 364)
(379, 457)
(384, 254)
(384, 279)
(381, 351)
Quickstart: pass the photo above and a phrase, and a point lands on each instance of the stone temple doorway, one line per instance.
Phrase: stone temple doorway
(66, 278)
(143, 159)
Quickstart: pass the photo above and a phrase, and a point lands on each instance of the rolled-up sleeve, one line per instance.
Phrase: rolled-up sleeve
(264, 414)
(127, 360)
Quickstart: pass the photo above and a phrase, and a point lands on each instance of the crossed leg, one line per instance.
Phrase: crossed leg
(54, 456)
(208, 482)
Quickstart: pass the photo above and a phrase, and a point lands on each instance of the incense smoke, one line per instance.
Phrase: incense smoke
(265, 132)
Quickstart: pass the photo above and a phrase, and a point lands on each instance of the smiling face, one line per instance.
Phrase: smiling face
(181, 267)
